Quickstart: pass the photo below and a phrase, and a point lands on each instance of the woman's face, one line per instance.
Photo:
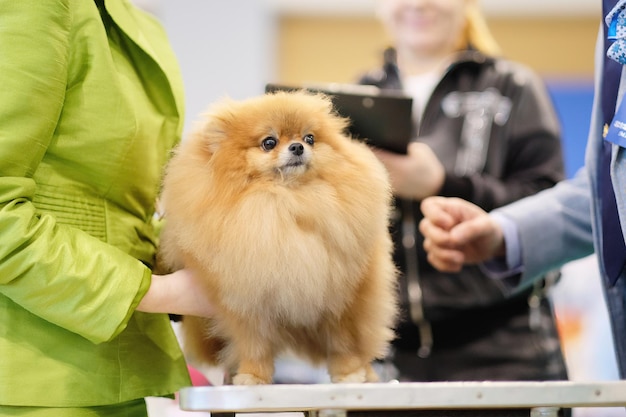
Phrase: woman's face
(424, 26)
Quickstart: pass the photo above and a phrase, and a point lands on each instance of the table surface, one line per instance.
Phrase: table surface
(403, 396)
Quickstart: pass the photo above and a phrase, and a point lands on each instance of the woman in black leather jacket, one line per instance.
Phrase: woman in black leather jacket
(485, 131)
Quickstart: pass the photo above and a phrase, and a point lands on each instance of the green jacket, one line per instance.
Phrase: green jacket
(88, 115)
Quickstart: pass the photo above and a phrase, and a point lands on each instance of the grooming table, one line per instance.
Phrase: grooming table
(432, 399)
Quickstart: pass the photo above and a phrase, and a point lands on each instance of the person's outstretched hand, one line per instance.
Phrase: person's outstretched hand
(176, 293)
(457, 232)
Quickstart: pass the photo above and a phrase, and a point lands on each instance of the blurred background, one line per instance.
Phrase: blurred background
(233, 48)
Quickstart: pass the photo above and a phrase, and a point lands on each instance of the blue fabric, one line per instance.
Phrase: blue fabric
(613, 247)
(616, 303)
(615, 20)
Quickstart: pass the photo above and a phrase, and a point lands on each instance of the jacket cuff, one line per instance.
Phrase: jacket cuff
(455, 186)
(144, 285)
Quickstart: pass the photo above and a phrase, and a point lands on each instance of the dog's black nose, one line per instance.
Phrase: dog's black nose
(296, 149)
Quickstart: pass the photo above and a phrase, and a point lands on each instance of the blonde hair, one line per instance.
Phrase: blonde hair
(477, 33)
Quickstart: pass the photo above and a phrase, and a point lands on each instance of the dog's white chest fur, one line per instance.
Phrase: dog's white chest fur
(287, 262)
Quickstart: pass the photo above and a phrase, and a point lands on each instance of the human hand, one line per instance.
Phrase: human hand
(457, 232)
(177, 293)
(416, 175)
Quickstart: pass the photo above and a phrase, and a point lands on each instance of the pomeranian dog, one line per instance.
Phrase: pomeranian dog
(285, 218)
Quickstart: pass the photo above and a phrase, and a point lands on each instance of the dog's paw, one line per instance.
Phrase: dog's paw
(248, 379)
(360, 375)
(371, 375)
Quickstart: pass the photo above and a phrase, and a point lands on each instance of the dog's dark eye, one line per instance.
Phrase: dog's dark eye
(310, 139)
(268, 143)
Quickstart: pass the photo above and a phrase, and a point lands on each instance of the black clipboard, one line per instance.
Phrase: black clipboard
(381, 118)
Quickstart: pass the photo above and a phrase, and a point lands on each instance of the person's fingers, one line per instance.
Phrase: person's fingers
(446, 260)
(439, 248)
(470, 230)
(418, 148)
(480, 228)
(437, 211)
(464, 221)
(434, 233)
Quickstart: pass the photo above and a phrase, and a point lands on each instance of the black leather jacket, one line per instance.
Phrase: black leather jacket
(493, 126)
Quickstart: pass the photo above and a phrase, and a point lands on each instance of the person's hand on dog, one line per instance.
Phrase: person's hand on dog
(457, 232)
(416, 175)
(176, 293)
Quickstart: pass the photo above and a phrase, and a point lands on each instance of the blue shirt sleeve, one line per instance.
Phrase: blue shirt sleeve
(508, 267)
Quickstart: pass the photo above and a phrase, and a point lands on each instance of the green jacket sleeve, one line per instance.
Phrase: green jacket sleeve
(57, 272)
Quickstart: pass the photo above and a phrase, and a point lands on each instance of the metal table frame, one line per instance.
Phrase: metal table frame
(537, 399)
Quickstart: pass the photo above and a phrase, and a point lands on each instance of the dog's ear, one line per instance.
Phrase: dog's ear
(216, 122)
(212, 134)
(336, 121)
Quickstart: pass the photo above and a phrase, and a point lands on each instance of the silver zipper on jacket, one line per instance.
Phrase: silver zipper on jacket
(414, 289)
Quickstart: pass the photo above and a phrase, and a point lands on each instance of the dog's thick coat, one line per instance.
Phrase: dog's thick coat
(286, 220)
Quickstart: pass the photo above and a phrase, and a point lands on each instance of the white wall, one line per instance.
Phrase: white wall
(225, 48)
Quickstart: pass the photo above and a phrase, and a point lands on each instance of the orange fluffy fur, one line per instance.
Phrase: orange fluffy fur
(294, 249)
